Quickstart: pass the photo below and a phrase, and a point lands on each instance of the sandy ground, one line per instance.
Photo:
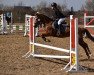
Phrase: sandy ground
(14, 46)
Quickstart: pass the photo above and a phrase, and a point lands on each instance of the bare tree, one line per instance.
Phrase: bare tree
(1, 4)
(64, 6)
(21, 3)
(89, 5)
(0, 1)
(42, 5)
(82, 8)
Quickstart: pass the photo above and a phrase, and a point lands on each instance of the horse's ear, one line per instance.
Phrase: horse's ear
(37, 13)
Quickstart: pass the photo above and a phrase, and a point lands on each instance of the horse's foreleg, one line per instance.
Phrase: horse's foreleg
(85, 47)
(89, 35)
(43, 33)
(45, 39)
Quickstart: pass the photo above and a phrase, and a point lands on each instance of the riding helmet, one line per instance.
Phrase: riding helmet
(54, 4)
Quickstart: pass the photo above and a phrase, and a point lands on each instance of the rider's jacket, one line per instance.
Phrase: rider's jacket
(57, 14)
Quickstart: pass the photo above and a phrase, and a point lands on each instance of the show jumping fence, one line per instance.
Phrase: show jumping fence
(1, 21)
(73, 64)
(88, 24)
(17, 27)
(3, 24)
(5, 28)
(27, 24)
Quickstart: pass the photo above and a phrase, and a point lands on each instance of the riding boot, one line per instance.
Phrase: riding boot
(36, 32)
(59, 30)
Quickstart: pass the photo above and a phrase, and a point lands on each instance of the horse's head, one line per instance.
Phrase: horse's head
(38, 20)
(41, 19)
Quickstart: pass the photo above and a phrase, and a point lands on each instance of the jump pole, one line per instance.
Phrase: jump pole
(27, 24)
(4, 25)
(87, 25)
(1, 21)
(73, 63)
(85, 17)
(11, 25)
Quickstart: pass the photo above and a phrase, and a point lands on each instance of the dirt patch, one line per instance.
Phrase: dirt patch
(14, 46)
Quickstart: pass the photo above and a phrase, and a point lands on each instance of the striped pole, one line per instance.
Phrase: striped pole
(73, 63)
(1, 21)
(74, 43)
(27, 24)
(87, 25)
(32, 34)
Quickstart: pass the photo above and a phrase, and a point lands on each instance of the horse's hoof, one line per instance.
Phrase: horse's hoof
(88, 57)
(48, 41)
(37, 36)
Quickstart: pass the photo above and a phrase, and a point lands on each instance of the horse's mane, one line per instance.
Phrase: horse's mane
(44, 18)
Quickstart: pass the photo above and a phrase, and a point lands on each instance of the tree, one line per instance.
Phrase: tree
(41, 7)
(64, 7)
(1, 4)
(21, 3)
(89, 5)
(82, 8)
(0, 1)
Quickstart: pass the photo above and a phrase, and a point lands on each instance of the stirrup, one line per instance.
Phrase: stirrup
(58, 33)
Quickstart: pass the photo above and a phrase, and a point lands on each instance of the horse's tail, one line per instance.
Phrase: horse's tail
(89, 35)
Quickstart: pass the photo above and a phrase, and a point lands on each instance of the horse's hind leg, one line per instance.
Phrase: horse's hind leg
(43, 38)
(85, 46)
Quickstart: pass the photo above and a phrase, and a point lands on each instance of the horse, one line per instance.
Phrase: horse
(49, 30)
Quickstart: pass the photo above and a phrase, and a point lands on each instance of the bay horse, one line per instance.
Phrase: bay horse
(49, 30)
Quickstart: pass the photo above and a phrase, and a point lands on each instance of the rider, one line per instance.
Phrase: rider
(58, 16)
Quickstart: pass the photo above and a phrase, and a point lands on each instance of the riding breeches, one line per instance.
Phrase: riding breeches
(60, 21)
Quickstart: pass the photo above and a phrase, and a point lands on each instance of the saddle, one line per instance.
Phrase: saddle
(59, 28)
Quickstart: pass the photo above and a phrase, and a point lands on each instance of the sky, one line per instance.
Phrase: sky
(77, 4)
